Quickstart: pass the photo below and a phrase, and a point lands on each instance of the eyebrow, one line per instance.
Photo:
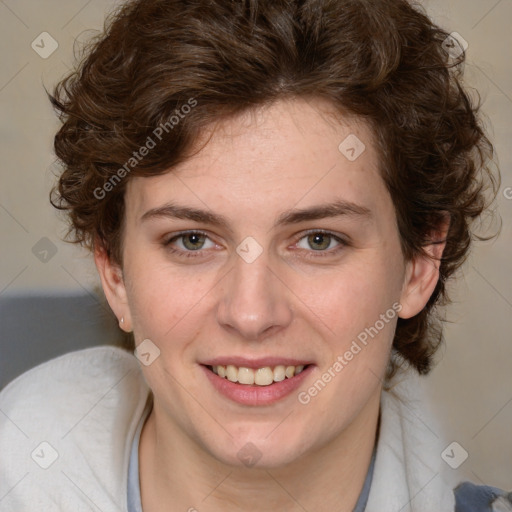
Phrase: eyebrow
(330, 210)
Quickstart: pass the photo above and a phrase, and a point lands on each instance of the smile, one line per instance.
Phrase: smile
(259, 377)
(263, 384)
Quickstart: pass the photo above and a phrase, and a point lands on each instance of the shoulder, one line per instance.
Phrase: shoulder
(65, 386)
(481, 498)
(68, 420)
(411, 459)
(76, 374)
(408, 457)
(410, 402)
(75, 366)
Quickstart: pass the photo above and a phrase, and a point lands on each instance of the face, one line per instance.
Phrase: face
(268, 249)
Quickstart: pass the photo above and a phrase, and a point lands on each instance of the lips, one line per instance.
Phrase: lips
(261, 362)
(260, 372)
(256, 382)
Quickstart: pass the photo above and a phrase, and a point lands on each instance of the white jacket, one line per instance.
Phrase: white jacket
(66, 429)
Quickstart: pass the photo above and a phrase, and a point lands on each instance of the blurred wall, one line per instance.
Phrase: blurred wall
(471, 388)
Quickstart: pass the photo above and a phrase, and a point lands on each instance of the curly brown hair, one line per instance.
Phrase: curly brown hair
(384, 61)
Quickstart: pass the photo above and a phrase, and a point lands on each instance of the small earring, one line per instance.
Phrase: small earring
(122, 320)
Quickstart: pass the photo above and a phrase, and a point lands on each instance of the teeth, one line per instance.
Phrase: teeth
(245, 376)
(279, 373)
(264, 376)
(289, 372)
(232, 373)
(261, 377)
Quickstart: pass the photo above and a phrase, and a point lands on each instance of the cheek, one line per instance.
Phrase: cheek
(360, 308)
(165, 300)
(353, 296)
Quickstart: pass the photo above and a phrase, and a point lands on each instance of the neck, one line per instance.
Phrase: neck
(174, 469)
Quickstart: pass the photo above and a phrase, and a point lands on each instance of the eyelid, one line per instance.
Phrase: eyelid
(338, 236)
(342, 241)
(183, 253)
(168, 240)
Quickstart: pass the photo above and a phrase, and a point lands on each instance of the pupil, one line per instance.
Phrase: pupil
(319, 239)
(193, 241)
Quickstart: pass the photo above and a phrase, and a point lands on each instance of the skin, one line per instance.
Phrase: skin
(296, 299)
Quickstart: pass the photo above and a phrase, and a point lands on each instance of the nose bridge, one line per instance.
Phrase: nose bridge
(254, 301)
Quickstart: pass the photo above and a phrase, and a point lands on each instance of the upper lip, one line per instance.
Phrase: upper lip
(245, 362)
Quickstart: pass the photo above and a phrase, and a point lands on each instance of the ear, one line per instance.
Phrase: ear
(112, 281)
(422, 274)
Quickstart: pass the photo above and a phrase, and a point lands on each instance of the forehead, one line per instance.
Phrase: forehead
(292, 153)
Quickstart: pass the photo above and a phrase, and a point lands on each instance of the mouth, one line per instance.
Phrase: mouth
(256, 384)
(264, 376)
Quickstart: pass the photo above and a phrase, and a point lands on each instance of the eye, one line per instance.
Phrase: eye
(190, 241)
(320, 241)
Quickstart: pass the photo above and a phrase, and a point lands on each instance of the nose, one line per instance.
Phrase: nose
(254, 302)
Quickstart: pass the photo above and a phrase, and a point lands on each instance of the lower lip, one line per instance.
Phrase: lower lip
(247, 394)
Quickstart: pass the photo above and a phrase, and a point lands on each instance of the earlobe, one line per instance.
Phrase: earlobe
(112, 281)
(422, 275)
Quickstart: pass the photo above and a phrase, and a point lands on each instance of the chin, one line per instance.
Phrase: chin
(258, 453)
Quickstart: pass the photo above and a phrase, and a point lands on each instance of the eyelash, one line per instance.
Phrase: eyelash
(319, 254)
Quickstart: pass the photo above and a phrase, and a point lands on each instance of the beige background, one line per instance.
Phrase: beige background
(471, 388)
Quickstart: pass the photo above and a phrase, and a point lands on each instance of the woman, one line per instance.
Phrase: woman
(276, 194)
